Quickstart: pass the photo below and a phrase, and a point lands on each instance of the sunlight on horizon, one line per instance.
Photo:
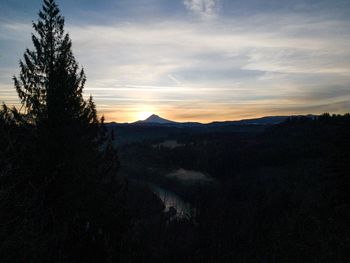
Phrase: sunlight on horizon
(144, 115)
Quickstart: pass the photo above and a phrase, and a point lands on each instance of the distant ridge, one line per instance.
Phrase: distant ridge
(268, 120)
(155, 120)
(158, 128)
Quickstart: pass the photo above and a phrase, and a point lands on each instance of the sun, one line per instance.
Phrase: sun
(144, 115)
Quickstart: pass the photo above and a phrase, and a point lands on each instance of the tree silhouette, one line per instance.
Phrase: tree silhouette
(54, 200)
(50, 85)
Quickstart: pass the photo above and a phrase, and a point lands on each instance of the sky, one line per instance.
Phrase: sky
(197, 60)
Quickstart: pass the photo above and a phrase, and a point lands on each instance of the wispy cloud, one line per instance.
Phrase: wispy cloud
(205, 69)
(203, 8)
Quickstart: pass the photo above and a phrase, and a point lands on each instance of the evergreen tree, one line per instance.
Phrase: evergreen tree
(55, 200)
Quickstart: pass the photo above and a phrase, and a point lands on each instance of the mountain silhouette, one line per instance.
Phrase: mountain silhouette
(156, 119)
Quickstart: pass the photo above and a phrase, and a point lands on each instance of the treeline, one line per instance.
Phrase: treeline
(224, 154)
(290, 203)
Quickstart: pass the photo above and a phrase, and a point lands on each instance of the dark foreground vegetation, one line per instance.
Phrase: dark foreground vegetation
(276, 193)
(280, 195)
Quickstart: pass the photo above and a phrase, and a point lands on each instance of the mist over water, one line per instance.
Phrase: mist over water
(189, 176)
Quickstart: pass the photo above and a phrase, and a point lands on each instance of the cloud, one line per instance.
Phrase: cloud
(203, 8)
(269, 69)
(185, 69)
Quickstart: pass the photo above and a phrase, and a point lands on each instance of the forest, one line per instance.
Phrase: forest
(71, 191)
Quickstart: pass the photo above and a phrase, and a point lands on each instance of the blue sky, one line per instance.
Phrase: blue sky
(197, 60)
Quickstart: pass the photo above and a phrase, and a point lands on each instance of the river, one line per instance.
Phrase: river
(171, 199)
